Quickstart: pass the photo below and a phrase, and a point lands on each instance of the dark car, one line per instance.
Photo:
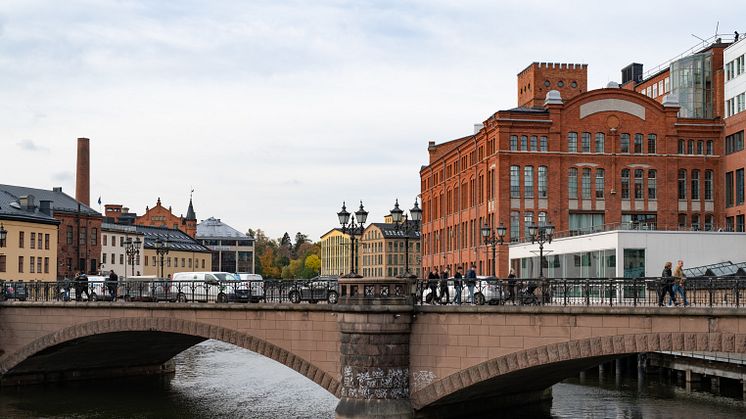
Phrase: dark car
(315, 290)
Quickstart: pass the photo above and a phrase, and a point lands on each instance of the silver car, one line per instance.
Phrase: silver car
(487, 290)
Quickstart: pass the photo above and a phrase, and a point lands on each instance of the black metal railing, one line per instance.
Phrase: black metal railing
(636, 292)
(270, 291)
(643, 292)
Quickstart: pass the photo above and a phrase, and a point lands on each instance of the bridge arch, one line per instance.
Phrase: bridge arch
(542, 366)
(165, 325)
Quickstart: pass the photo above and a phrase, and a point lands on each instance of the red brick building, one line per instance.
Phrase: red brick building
(579, 159)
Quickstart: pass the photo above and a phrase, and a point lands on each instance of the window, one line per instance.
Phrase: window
(730, 107)
(203, 264)
(625, 183)
(729, 70)
(83, 234)
(739, 186)
(709, 222)
(651, 143)
(38, 265)
(585, 183)
(586, 223)
(94, 236)
(599, 183)
(533, 143)
(740, 102)
(638, 143)
(31, 266)
(515, 186)
(39, 241)
(710, 150)
(513, 143)
(651, 184)
(667, 84)
(572, 142)
(103, 258)
(20, 264)
(528, 182)
(655, 90)
(700, 147)
(690, 147)
(524, 143)
(32, 242)
(3, 263)
(586, 142)
(734, 142)
(739, 67)
(708, 185)
(528, 219)
(740, 223)
(638, 183)
(682, 147)
(104, 240)
(121, 259)
(624, 143)
(695, 184)
(682, 221)
(600, 142)
(695, 222)
(682, 184)
(21, 239)
(46, 242)
(542, 184)
(729, 189)
(543, 143)
(572, 183)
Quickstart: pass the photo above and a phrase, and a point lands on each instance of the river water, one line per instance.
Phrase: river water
(215, 379)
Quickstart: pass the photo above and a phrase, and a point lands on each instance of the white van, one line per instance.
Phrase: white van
(255, 282)
(221, 287)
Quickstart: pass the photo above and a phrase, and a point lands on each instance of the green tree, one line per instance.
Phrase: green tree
(313, 263)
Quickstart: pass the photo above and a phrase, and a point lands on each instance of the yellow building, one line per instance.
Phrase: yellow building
(185, 254)
(29, 249)
(335, 253)
(383, 251)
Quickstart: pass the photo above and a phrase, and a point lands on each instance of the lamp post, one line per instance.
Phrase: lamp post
(541, 234)
(493, 237)
(161, 249)
(3, 235)
(349, 226)
(132, 249)
(401, 223)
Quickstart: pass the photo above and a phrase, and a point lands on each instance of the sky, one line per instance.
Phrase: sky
(274, 112)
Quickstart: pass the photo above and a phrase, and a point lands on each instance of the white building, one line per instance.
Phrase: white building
(735, 78)
(114, 250)
(626, 253)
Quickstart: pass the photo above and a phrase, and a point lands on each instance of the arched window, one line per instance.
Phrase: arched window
(695, 184)
(652, 192)
(572, 142)
(625, 183)
(585, 183)
(638, 183)
(533, 143)
(572, 183)
(710, 147)
(599, 183)
(695, 222)
(586, 142)
(543, 143)
(682, 221)
(709, 222)
(528, 181)
(524, 143)
(700, 147)
(652, 139)
(542, 183)
(708, 185)
(682, 184)
(600, 139)
(624, 143)
(638, 143)
(513, 143)
(682, 147)
(690, 147)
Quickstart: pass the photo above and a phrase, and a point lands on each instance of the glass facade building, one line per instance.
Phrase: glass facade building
(691, 79)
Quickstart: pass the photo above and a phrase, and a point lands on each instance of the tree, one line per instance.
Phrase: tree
(300, 239)
(313, 264)
(285, 241)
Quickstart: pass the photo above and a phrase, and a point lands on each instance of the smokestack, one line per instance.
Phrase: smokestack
(83, 172)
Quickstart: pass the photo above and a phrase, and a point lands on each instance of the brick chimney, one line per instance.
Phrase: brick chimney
(83, 172)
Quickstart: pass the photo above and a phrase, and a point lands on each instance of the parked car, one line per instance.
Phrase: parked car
(255, 284)
(221, 287)
(317, 289)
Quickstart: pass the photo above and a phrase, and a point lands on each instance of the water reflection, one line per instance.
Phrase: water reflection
(215, 379)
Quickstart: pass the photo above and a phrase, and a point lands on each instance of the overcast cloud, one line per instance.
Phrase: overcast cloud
(275, 112)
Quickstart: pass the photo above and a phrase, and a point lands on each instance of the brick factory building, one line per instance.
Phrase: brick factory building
(582, 160)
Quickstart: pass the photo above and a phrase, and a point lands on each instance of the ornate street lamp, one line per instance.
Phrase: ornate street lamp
(541, 234)
(493, 237)
(401, 223)
(161, 249)
(132, 249)
(3, 235)
(349, 226)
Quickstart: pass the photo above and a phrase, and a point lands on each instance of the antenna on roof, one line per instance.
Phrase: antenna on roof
(717, 26)
(698, 38)
(191, 193)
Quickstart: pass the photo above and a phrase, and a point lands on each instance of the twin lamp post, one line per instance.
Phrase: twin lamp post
(539, 233)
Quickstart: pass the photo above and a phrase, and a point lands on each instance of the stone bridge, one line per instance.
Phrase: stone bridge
(387, 360)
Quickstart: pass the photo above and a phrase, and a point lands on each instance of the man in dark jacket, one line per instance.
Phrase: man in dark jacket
(666, 285)
(444, 294)
(432, 283)
(471, 282)
(458, 285)
(113, 284)
(81, 286)
(511, 286)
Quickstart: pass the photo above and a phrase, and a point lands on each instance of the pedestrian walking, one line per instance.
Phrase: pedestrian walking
(81, 286)
(679, 286)
(113, 284)
(511, 285)
(471, 282)
(666, 285)
(444, 294)
(458, 285)
(432, 283)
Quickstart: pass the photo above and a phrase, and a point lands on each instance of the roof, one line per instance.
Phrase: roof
(191, 216)
(213, 228)
(177, 240)
(60, 200)
(390, 231)
(525, 109)
(10, 209)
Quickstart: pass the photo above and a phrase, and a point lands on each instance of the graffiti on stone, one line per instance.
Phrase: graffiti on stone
(422, 379)
(375, 383)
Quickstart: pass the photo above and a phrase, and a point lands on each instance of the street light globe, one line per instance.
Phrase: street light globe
(485, 230)
(416, 212)
(396, 213)
(361, 214)
(344, 216)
